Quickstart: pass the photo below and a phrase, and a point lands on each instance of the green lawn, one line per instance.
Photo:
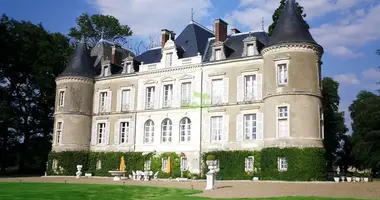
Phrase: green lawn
(52, 191)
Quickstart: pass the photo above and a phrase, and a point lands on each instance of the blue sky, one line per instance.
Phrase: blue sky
(347, 29)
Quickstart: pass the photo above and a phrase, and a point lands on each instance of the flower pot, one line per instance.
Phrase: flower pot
(349, 179)
(365, 179)
(336, 179)
(342, 178)
(255, 178)
(357, 179)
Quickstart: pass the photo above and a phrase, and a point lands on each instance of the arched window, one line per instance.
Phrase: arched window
(185, 130)
(149, 131)
(166, 130)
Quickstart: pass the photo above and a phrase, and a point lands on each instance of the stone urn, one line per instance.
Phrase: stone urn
(79, 172)
(211, 175)
(349, 178)
(336, 179)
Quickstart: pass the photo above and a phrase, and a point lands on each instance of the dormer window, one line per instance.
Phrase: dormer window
(250, 50)
(106, 71)
(169, 59)
(129, 68)
(218, 54)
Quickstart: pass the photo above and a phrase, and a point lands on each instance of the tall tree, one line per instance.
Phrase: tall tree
(32, 60)
(94, 27)
(277, 13)
(365, 114)
(345, 159)
(334, 127)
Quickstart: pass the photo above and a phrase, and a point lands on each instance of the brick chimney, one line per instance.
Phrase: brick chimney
(117, 55)
(235, 30)
(220, 30)
(165, 34)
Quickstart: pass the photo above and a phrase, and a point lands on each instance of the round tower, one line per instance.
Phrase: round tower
(292, 83)
(73, 108)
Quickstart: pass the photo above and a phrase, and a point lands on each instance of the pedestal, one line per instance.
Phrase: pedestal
(116, 178)
(79, 172)
(210, 181)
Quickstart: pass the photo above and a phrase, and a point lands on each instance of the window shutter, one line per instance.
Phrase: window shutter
(206, 95)
(176, 101)
(141, 101)
(118, 102)
(239, 127)
(131, 133)
(240, 89)
(132, 99)
(259, 87)
(109, 101)
(93, 133)
(107, 134)
(117, 133)
(206, 129)
(156, 97)
(226, 127)
(225, 90)
(96, 102)
(260, 126)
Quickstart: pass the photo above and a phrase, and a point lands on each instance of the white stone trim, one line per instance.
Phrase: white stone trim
(286, 48)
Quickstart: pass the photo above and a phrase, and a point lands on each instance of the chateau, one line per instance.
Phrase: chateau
(199, 91)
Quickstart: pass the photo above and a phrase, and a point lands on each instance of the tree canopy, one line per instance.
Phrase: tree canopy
(93, 27)
(277, 13)
(334, 127)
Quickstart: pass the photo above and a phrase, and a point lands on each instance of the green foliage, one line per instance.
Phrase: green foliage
(277, 13)
(365, 114)
(68, 160)
(156, 165)
(92, 27)
(334, 126)
(210, 157)
(303, 164)
(232, 164)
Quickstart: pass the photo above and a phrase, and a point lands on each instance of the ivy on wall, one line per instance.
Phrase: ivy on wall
(67, 162)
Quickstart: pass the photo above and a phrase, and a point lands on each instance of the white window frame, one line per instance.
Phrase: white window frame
(169, 59)
(217, 96)
(129, 67)
(216, 132)
(147, 164)
(100, 137)
(184, 164)
(150, 101)
(186, 98)
(166, 130)
(279, 118)
(103, 100)
(250, 46)
(148, 132)
(250, 164)
(126, 133)
(167, 95)
(61, 98)
(218, 54)
(164, 164)
(279, 78)
(58, 131)
(185, 129)
(98, 164)
(321, 123)
(250, 97)
(125, 104)
(249, 136)
(282, 164)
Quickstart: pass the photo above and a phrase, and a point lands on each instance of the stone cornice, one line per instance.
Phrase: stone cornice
(302, 47)
(168, 70)
(72, 113)
(293, 93)
(69, 79)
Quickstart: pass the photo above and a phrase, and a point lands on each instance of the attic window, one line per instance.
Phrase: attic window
(169, 59)
(106, 71)
(250, 50)
(218, 54)
(129, 68)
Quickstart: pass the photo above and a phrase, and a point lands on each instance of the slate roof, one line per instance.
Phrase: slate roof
(103, 51)
(235, 44)
(291, 27)
(80, 63)
(192, 39)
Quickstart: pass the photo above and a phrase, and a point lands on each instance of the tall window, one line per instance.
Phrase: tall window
(101, 132)
(218, 54)
(186, 93)
(216, 128)
(61, 98)
(185, 130)
(168, 94)
(283, 123)
(217, 91)
(250, 50)
(150, 97)
(124, 132)
(169, 59)
(250, 129)
(250, 87)
(125, 99)
(59, 132)
(103, 102)
(249, 164)
(183, 163)
(282, 74)
(147, 164)
(282, 164)
(149, 131)
(165, 163)
(106, 71)
(166, 131)
(129, 68)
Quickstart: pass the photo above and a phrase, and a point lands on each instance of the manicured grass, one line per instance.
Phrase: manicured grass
(52, 191)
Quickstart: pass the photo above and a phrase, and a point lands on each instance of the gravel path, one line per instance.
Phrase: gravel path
(239, 189)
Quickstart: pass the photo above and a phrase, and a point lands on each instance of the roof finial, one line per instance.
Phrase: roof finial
(262, 23)
(192, 14)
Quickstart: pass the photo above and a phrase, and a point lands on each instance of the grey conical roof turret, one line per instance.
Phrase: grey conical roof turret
(80, 63)
(291, 27)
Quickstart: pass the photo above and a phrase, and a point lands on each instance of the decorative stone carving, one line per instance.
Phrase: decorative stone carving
(79, 172)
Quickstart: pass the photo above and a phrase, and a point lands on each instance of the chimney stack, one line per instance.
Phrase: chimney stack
(220, 30)
(165, 35)
(235, 30)
(117, 57)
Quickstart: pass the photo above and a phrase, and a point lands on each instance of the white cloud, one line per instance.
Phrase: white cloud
(347, 79)
(148, 17)
(371, 73)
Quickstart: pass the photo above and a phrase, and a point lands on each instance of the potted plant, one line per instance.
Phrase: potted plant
(88, 174)
(366, 177)
(210, 161)
(255, 175)
(349, 176)
(357, 176)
